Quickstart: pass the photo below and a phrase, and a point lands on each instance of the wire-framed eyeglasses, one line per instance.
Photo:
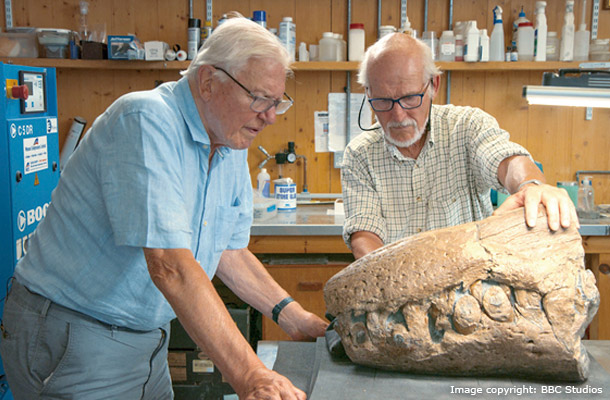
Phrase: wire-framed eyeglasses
(407, 102)
(261, 104)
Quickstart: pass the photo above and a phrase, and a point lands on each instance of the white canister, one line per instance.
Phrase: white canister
(285, 194)
(386, 30)
(356, 42)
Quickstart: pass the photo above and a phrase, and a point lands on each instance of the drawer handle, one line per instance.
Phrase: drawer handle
(604, 269)
(309, 286)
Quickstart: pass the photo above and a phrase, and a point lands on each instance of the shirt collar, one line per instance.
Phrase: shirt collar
(186, 104)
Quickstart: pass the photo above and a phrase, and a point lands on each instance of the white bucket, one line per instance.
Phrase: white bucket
(285, 194)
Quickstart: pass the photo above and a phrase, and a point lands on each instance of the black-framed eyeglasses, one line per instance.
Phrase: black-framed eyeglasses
(261, 104)
(407, 102)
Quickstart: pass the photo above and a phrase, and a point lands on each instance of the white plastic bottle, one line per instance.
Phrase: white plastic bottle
(483, 46)
(356, 42)
(303, 53)
(471, 44)
(447, 46)
(582, 37)
(288, 37)
(263, 182)
(496, 42)
(516, 23)
(552, 46)
(459, 47)
(525, 41)
(540, 32)
(566, 50)
(327, 47)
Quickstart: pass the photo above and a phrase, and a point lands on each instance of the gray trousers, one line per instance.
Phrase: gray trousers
(52, 352)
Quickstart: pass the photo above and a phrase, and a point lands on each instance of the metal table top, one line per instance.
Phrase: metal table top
(315, 220)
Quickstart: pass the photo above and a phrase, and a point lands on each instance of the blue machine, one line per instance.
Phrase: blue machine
(29, 164)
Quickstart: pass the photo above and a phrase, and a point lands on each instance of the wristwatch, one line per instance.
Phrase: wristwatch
(527, 182)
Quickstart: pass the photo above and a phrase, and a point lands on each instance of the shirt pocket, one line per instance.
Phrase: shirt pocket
(225, 223)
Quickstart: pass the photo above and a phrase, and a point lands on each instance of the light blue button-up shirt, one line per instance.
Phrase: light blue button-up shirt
(141, 177)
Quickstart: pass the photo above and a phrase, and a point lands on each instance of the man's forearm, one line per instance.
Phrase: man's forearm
(517, 169)
(202, 313)
(363, 242)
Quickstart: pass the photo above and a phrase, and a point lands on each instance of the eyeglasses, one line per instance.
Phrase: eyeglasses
(261, 104)
(407, 102)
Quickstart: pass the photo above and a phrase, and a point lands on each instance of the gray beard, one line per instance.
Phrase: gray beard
(405, 143)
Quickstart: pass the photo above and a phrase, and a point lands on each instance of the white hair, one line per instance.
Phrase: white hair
(234, 43)
(388, 42)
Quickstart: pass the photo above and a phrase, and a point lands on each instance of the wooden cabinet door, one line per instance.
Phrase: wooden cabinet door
(305, 283)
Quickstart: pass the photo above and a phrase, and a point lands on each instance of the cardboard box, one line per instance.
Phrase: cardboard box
(155, 50)
(124, 47)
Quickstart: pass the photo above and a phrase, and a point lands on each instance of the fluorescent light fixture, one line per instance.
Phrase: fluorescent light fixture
(567, 96)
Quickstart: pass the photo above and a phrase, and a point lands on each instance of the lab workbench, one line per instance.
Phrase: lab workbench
(304, 248)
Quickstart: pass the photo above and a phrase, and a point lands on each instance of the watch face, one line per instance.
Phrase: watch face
(291, 157)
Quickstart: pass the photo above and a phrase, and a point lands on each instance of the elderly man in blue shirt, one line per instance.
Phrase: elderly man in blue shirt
(156, 201)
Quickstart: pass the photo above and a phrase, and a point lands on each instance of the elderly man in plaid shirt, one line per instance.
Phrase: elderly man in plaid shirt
(425, 166)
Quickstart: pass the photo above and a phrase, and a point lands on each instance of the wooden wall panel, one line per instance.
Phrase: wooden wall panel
(559, 137)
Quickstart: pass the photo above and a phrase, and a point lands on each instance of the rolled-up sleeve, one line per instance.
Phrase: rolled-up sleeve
(361, 200)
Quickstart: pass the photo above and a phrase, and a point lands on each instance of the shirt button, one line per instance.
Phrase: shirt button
(418, 229)
(418, 198)
(205, 146)
(205, 223)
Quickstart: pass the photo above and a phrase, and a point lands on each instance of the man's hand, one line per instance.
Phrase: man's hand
(264, 384)
(300, 324)
(559, 206)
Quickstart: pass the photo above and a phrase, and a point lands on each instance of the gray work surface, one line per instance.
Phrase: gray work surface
(310, 367)
(315, 220)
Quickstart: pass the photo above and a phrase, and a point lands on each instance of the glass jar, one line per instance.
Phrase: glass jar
(552, 46)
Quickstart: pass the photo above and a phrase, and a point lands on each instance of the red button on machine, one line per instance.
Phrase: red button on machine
(20, 92)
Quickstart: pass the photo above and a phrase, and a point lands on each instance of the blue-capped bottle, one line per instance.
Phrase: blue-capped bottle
(496, 41)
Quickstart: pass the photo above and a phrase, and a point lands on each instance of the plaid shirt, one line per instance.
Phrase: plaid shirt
(448, 184)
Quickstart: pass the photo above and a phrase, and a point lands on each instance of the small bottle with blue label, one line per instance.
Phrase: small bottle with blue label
(263, 182)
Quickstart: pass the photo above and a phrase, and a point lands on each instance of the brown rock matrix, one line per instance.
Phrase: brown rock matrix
(487, 298)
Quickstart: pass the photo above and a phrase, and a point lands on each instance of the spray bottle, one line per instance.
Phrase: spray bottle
(582, 37)
(566, 50)
(541, 32)
(496, 42)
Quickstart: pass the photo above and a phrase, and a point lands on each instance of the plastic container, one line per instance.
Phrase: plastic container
(447, 46)
(260, 17)
(566, 50)
(552, 46)
(356, 41)
(540, 32)
(285, 194)
(327, 47)
(386, 30)
(288, 36)
(586, 199)
(471, 44)
(303, 53)
(581, 43)
(496, 41)
(516, 23)
(525, 41)
(599, 50)
(263, 183)
(341, 47)
(459, 47)
(582, 37)
(483, 46)
(430, 39)
(54, 42)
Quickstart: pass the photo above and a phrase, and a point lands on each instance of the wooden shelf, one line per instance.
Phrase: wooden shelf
(97, 64)
(297, 66)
